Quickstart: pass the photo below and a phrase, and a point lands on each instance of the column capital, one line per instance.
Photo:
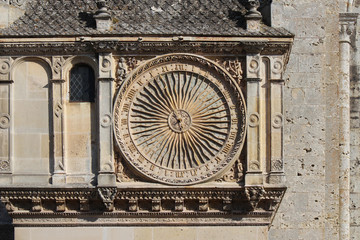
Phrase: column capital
(347, 22)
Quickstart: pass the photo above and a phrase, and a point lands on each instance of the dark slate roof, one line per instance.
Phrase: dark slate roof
(136, 17)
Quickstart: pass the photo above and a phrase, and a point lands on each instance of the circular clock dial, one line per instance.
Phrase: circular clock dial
(179, 122)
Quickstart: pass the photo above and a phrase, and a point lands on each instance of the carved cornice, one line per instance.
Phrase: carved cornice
(135, 206)
(63, 48)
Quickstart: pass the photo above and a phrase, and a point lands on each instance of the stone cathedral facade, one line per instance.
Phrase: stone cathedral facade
(179, 119)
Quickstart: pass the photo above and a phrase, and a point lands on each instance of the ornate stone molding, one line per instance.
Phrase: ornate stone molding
(235, 174)
(57, 66)
(235, 68)
(135, 206)
(108, 196)
(62, 48)
(254, 194)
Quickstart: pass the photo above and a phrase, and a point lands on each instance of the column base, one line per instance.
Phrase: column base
(254, 179)
(106, 180)
(58, 179)
(276, 179)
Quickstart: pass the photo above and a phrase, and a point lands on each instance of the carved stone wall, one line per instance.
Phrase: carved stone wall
(292, 127)
(190, 107)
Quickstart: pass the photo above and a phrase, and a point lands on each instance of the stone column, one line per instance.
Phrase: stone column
(275, 168)
(57, 119)
(5, 120)
(347, 22)
(254, 174)
(106, 175)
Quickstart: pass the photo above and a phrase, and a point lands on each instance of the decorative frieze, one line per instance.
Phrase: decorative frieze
(77, 204)
(145, 47)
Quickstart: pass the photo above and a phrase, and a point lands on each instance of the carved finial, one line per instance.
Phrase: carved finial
(102, 16)
(252, 6)
(253, 16)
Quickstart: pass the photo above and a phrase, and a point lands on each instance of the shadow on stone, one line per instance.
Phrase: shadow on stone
(6, 227)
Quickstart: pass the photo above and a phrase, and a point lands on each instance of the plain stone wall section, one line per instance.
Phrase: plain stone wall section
(309, 209)
(142, 233)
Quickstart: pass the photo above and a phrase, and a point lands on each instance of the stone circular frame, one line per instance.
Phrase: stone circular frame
(180, 119)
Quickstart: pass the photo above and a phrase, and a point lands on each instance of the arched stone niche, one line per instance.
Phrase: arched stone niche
(30, 123)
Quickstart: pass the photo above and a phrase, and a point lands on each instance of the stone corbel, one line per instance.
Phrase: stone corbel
(179, 204)
(108, 196)
(133, 204)
(36, 204)
(57, 85)
(227, 204)
(106, 77)
(5, 114)
(8, 205)
(254, 195)
(203, 204)
(84, 205)
(156, 204)
(60, 205)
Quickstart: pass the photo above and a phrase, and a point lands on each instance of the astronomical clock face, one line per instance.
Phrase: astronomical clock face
(180, 120)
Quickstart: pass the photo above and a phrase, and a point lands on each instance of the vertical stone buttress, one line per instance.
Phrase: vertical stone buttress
(106, 175)
(254, 175)
(57, 120)
(275, 107)
(5, 119)
(347, 22)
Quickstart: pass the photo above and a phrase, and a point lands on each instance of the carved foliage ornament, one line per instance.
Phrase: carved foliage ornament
(180, 119)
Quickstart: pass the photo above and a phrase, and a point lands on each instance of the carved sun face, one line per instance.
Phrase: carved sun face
(179, 120)
(178, 123)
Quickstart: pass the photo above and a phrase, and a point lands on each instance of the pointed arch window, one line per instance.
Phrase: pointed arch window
(82, 84)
